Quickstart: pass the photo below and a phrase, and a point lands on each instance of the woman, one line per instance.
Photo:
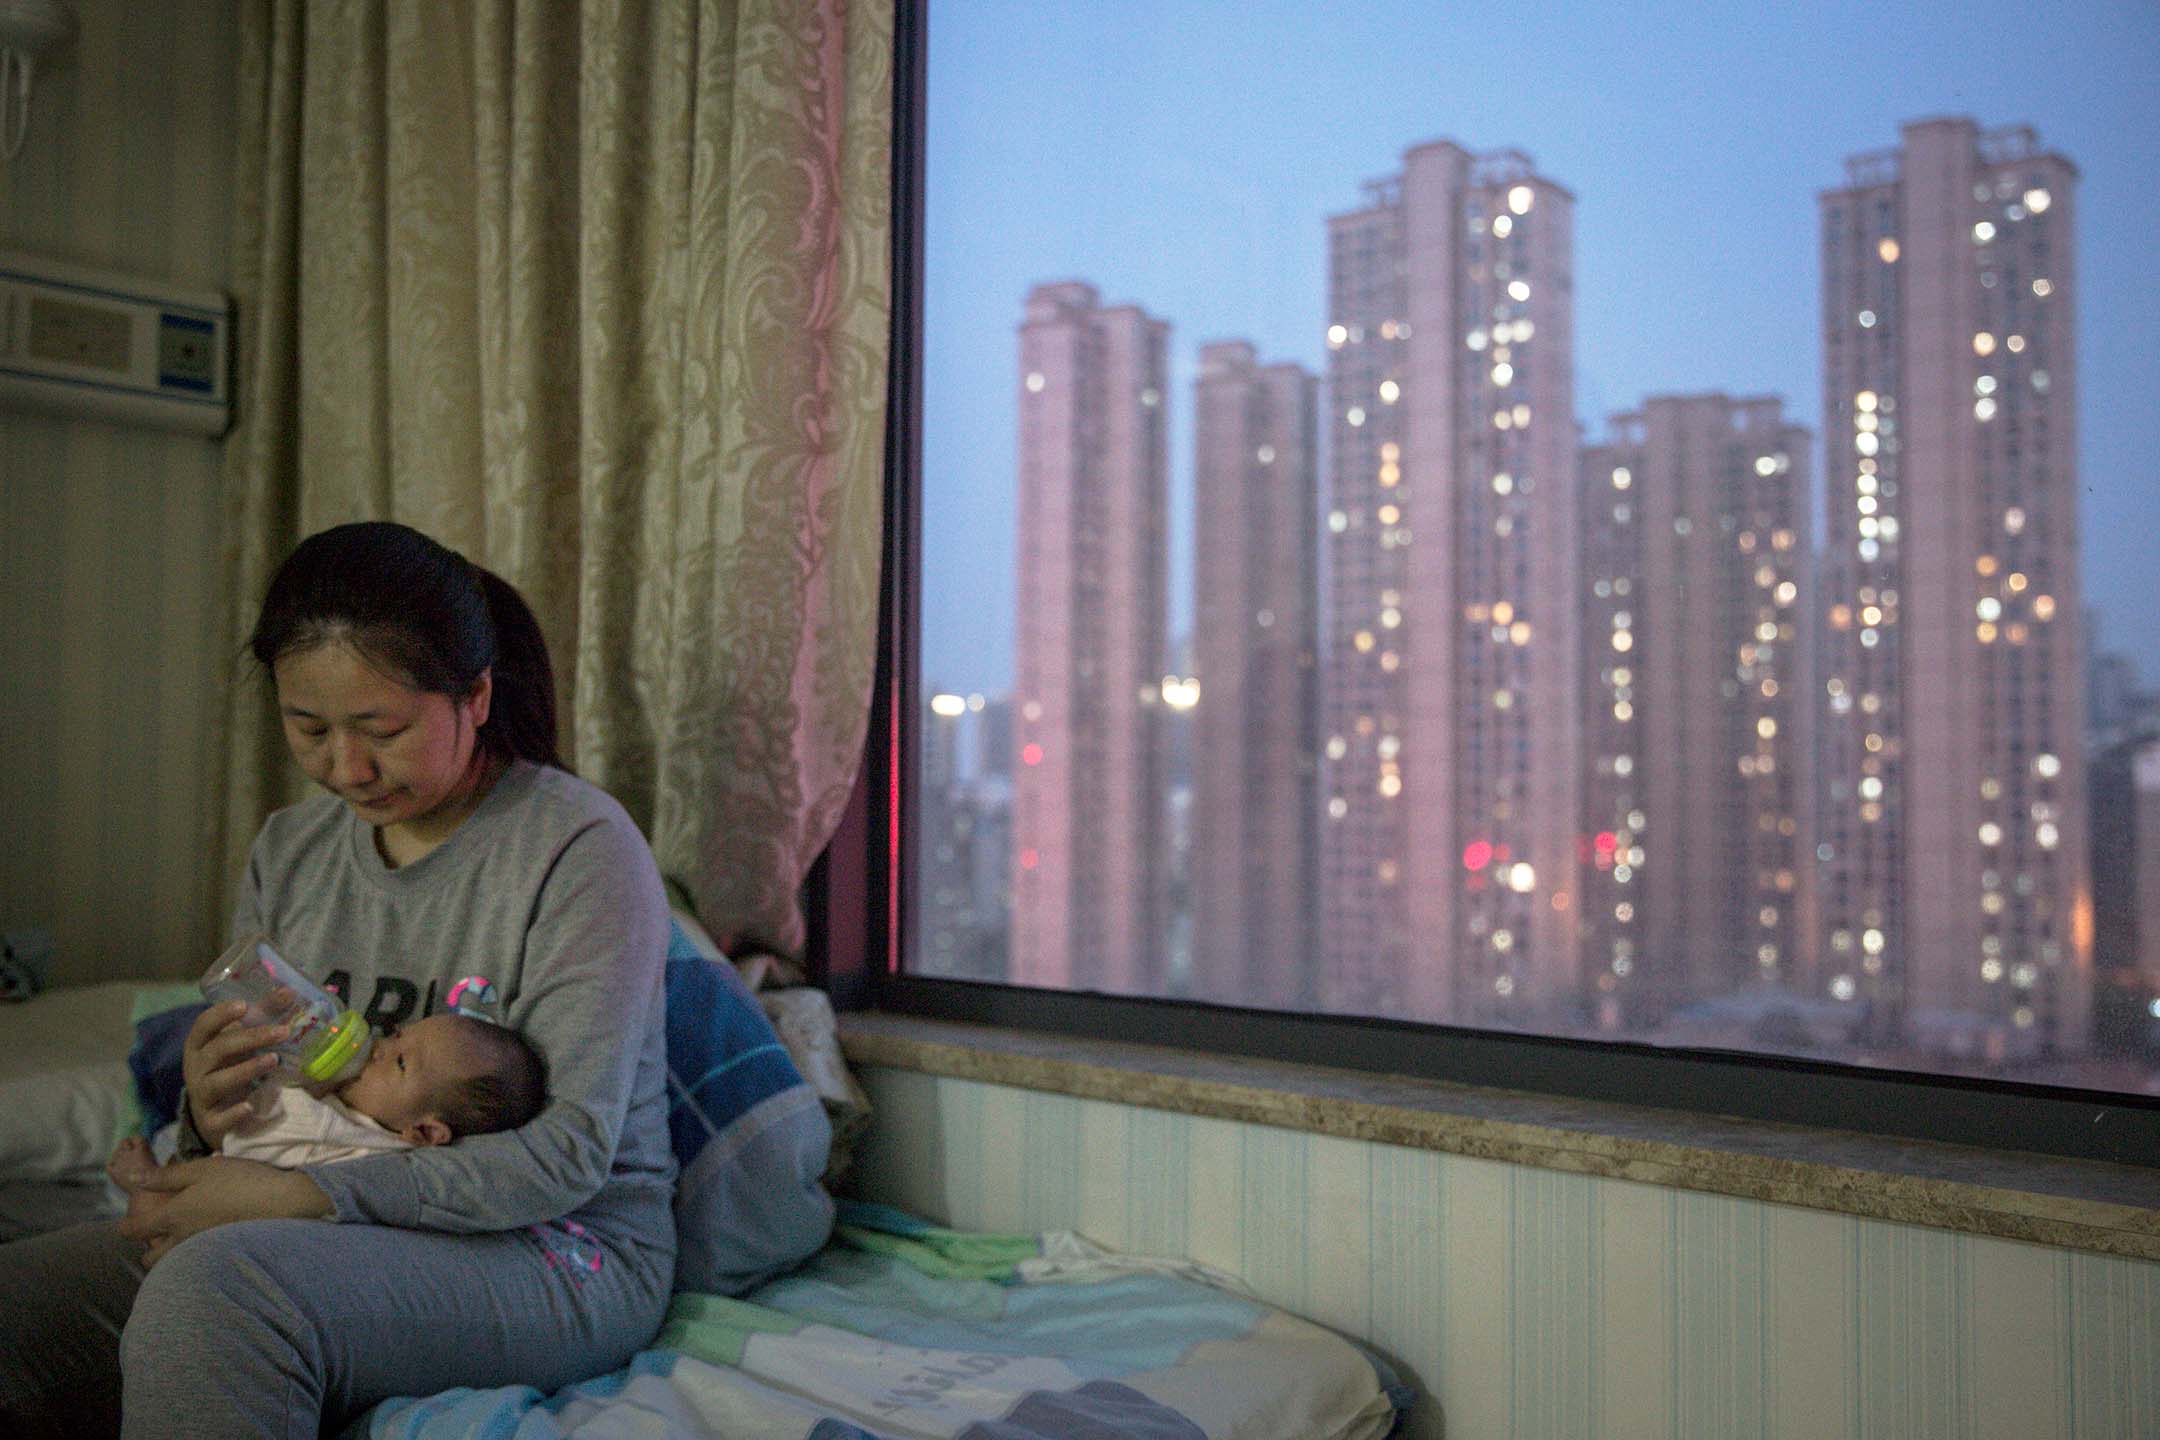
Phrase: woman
(415, 688)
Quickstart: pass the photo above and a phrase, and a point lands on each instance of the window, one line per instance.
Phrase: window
(1423, 850)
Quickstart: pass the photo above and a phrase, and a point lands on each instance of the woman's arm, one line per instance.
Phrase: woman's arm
(216, 1191)
(219, 1070)
(589, 997)
(221, 1062)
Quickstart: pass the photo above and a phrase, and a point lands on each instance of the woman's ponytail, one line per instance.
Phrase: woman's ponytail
(521, 717)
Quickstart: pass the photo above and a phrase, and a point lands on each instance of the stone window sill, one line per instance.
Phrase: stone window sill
(2082, 1205)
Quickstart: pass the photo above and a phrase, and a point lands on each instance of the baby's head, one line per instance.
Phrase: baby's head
(446, 1077)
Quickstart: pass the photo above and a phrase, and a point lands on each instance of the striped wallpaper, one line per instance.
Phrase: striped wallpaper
(1529, 1303)
(109, 539)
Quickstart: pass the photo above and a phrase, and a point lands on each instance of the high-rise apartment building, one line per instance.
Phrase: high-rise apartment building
(1954, 884)
(2123, 809)
(2115, 702)
(2145, 864)
(963, 867)
(1254, 863)
(1088, 897)
(1698, 712)
(994, 757)
(946, 922)
(1449, 767)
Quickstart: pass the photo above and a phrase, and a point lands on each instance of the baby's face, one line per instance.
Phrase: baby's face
(406, 1071)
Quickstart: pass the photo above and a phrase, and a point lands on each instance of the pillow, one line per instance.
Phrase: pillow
(66, 1096)
(749, 1133)
(59, 1126)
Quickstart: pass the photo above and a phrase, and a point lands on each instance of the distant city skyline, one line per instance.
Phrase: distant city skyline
(1578, 710)
(1695, 265)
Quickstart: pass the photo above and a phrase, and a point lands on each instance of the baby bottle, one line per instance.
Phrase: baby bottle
(328, 1044)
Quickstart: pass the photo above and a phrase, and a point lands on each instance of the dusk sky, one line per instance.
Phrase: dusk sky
(1183, 156)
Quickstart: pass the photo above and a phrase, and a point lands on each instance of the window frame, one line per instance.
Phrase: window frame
(860, 892)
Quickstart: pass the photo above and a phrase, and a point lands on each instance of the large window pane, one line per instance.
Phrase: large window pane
(1629, 536)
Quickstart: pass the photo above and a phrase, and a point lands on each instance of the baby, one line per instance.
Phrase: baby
(429, 1083)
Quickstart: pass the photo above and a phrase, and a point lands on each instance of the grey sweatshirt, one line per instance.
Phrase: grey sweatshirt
(549, 891)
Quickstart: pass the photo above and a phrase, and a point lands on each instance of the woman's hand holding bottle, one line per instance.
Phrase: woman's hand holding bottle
(222, 1060)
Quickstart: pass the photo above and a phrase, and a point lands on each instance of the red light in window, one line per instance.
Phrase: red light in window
(1029, 859)
(1477, 855)
(1031, 754)
(1607, 842)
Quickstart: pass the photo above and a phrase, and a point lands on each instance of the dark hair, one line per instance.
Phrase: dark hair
(423, 612)
(508, 1090)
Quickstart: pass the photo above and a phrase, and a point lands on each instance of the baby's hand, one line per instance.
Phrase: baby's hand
(131, 1163)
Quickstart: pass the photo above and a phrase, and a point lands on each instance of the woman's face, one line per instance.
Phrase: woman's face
(395, 754)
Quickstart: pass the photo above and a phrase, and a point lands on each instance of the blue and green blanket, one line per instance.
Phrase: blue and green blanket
(899, 1330)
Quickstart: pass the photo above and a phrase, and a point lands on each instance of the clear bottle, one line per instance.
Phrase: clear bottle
(329, 1042)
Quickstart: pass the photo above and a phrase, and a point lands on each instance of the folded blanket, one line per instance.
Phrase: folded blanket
(900, 1330)
(163, 1016)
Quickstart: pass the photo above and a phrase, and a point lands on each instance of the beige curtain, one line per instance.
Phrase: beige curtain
(597, 294)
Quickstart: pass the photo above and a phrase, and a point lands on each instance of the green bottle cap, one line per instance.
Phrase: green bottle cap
(338, 1048)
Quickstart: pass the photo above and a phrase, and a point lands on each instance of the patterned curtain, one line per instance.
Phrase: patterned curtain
(596, 293)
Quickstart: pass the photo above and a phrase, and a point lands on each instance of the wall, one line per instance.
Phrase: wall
(1532, 1303)
(109, 543)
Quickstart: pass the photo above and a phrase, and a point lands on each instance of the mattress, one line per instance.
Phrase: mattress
(901, 1330)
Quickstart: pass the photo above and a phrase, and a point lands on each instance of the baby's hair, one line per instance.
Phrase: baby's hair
(507, 1092)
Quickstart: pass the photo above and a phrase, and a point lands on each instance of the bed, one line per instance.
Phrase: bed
(898, 1330)
(893, 1329)
(66, 1096)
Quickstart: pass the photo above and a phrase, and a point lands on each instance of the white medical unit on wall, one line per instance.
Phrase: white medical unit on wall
(76, 341)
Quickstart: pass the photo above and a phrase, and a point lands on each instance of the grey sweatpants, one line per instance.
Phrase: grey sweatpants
(288, 1327)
